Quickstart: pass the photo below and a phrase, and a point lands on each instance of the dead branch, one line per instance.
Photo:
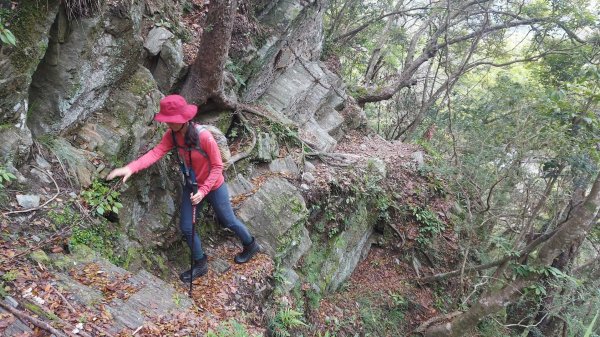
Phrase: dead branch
(25, 318)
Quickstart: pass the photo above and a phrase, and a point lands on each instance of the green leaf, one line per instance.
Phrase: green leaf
(590, 328)
(11, 38)
(7, 36)
(100, 210)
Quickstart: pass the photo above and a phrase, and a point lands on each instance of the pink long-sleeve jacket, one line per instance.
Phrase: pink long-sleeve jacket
(209, 173)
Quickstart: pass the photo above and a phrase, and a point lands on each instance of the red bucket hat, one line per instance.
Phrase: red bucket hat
(175, 109)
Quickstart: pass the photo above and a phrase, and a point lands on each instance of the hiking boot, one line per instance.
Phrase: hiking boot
(248, 252)
(200, 268)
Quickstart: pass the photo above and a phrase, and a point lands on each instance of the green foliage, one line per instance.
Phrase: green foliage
(430, 224)
(63, 216)
(286, 319)
(399, 301)
(237, 73)
(284, 133)
(10, 275)
(101, 198)
(5, 176)
(536, 290)
(522, 270)
(230, 328)
(380, 319)
(101, 238)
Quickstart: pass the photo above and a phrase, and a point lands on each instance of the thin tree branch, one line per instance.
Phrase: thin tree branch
(370, 22)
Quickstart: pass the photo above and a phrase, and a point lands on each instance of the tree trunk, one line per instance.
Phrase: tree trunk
(574, 229)
(205, 79)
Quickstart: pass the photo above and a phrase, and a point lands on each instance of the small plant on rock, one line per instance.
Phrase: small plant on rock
(285, 320)
(5, 176)
(102, 199)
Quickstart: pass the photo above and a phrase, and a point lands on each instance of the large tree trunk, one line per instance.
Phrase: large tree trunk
(204, 82)
(574, 229)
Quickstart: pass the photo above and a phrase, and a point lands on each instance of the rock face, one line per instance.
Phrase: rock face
(272, 211)
(121, 133)
(17, 66)
(291, 81)
(84, 60)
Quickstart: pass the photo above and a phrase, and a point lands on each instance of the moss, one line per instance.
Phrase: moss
(40, 312)
(3, 292)
(313, 264)
(30, 48)
(139, 84)
(286, 241)
(40, 257)
(82, 252)
(136, 258)
(64, 263)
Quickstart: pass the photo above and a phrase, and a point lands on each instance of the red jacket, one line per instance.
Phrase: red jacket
(208, 175)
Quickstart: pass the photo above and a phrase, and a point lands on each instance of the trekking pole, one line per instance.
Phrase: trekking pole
(194, 190)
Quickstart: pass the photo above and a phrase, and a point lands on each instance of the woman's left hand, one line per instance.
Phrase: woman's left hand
(196, 198)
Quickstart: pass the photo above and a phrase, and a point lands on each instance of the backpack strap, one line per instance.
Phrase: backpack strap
(187, 171)
(199, 129)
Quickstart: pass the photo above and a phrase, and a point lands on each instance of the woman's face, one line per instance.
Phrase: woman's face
(176, 126)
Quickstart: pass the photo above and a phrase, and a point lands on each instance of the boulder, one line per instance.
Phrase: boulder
(284, 165)
(267, 147)
(272, 211)
(170, 66)
(156, 39)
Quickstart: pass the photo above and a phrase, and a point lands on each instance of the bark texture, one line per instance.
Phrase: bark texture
(205, 80)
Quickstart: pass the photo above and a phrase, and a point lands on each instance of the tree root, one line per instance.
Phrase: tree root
(239, 156)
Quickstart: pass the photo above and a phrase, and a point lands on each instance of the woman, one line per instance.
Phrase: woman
(206, 170)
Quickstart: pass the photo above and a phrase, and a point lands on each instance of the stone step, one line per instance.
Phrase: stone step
(132, 300)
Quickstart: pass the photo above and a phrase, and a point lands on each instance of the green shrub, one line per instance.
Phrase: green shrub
(430, 224)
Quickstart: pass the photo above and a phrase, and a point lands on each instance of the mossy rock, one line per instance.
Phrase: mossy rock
(40, 257)
(30, 27)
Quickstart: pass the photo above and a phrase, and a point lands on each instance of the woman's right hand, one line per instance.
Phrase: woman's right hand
(124, 172)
